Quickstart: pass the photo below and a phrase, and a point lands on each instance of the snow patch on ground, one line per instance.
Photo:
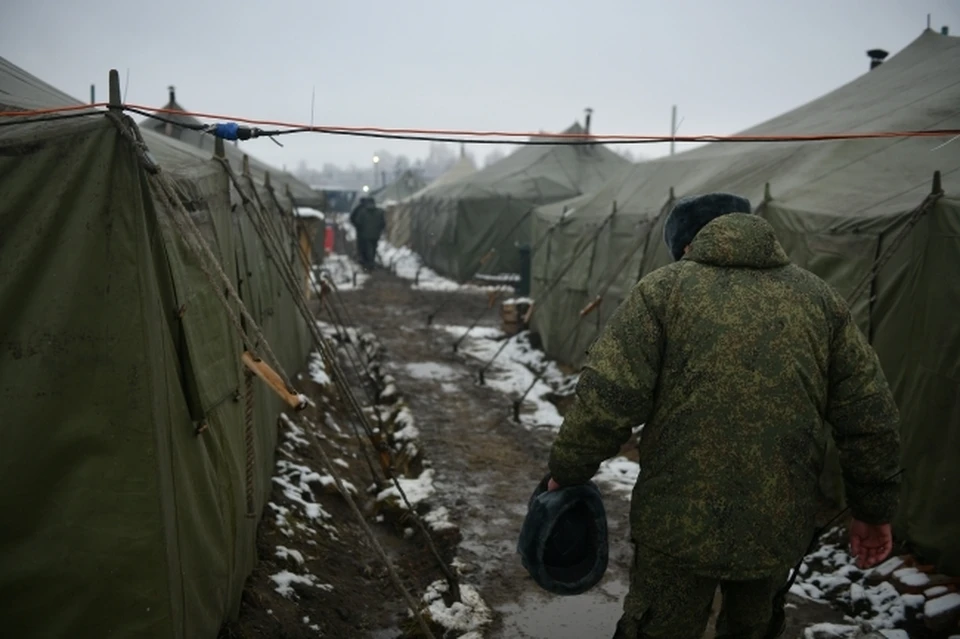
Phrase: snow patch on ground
(439, 519)
(619, 473)
(408, 265)
(940, 605)
(285, 581)
(468, 616)
(296, 556)
(509, 373)
(829, 575)
(302, 487)
(514, 371)
(416, 489)
(341, 271)
(294, 480)
(318, 370)
(431, 371)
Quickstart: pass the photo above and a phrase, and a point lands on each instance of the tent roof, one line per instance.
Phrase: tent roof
(182, 126)
(463, 168)
(184, 129)
(404, 186)
(19, 90)
(539, 173)
(917, 89)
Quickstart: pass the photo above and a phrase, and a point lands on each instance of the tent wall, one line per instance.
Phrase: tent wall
(128, 522)
(837, 208)
(399, 221)
(455, 223)
(400, 215)
(453, 236)
(927, 386)
(88, 389)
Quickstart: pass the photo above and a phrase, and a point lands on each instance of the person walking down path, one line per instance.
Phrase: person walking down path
(369, 221)
(734, 360)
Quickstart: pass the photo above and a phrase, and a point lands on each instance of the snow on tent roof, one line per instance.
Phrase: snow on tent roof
(837, 207)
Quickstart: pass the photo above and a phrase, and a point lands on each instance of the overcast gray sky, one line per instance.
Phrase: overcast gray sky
(482, 64)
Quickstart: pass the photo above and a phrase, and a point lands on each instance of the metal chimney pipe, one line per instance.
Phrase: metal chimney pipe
(877, 56)
(589, 113)
(173, 94)
(944, 30)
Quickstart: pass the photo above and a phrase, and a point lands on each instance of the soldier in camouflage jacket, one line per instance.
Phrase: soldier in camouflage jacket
(734, 360)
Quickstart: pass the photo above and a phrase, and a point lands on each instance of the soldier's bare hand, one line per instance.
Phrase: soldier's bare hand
(870, 543)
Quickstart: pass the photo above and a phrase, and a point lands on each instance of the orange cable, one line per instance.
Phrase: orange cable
(504, 134)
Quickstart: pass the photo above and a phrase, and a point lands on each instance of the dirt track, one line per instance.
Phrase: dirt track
(486, 465)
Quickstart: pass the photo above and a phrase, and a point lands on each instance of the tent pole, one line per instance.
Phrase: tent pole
(116, 101)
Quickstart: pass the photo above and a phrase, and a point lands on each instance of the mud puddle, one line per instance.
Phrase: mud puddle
(593, 614)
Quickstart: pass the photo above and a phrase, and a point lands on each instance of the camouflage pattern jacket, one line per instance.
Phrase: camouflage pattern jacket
(734, 360)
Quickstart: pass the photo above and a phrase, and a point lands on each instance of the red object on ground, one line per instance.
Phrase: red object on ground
(328, 239)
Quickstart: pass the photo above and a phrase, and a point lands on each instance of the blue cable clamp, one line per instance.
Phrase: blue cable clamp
(227, 130)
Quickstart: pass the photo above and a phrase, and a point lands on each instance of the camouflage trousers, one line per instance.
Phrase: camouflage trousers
(668, 602)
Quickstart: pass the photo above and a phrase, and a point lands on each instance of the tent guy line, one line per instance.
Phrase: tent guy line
(231, 130)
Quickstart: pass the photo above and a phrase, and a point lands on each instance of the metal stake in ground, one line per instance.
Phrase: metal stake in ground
(394, 578)
(449, 298)
(545, 236)
(596, 235)
(517, 403)
(476, 320)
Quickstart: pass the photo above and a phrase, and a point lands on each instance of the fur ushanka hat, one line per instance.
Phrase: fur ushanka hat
(563, 542)
(690, 214)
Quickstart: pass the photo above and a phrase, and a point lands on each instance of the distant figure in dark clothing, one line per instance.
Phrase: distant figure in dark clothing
(369, 221)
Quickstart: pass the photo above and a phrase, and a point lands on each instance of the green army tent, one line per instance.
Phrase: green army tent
(177, 123)
(460, 222)
(839, 208)
(133, 470)
(398, 215)
(406, 184)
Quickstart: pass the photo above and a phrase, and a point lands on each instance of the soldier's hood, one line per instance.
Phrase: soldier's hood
(738, 240)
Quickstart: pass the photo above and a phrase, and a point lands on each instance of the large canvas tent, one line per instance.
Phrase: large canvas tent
(460, 222)
(406, 184)
(399, 215)
(132, 476)
(839, 208)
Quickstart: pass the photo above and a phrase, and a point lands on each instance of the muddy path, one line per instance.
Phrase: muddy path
(486, 465)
